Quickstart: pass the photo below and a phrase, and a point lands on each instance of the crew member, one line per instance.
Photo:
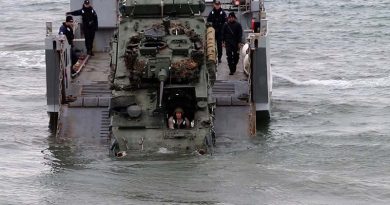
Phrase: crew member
(67, 30)
(217, 17)
(231, 37)
(178, 121)
(90, 24)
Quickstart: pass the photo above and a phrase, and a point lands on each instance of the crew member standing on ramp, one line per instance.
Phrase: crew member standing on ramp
(90, 24)
(217, 17)
(231, 37)
(67, 30)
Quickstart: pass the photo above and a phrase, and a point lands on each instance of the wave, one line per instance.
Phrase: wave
(44, 5)
(22, 47)
(22, 59)
(357, 83)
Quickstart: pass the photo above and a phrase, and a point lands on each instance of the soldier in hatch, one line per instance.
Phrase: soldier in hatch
(178, 121)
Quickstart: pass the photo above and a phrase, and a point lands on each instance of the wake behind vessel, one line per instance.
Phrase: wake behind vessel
(153, 57)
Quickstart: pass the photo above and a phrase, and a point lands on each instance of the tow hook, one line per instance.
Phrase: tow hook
(201, 151)
(121, 154)
(141, 143)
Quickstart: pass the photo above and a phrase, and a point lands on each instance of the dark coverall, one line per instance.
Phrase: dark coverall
(90, 25)
(217, 18)
(232, 35)
(68, 32)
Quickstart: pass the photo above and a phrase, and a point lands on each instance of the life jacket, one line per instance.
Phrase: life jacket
(176, 125)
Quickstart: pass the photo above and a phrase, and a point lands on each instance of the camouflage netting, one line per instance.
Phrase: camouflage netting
(198, 56)
(137, 72)
(134, 40)
(130, 58)
(184, 70)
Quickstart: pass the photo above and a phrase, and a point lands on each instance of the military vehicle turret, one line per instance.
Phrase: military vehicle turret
(163, 59)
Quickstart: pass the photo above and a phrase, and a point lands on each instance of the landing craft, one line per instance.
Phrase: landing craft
(151, 59)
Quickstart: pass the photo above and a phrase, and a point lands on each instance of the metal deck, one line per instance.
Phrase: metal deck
(231, 93)
(88, 115)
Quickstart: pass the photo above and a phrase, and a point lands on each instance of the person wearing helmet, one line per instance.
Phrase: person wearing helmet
(178, 121)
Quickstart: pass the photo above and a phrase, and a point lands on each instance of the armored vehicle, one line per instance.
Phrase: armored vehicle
(160, 65)
(155, 69)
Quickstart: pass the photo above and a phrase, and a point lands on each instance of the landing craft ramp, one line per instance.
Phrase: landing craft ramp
(231, 93)
(86, 114)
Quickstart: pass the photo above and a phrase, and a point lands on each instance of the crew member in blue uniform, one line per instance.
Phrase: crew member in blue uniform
(217, 17)
(90, 24)
(67, 30)
(232, 37)
(178, 121)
